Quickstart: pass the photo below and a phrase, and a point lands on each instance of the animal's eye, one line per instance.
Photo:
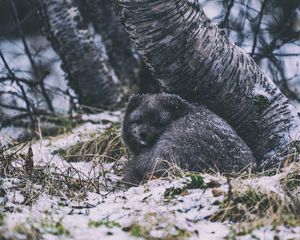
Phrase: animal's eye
(136, 121)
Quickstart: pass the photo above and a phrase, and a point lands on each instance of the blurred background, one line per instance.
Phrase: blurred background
(60, 60)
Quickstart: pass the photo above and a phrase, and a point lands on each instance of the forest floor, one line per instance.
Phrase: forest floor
(70, 186)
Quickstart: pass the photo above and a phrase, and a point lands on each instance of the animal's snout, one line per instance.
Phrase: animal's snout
(144, 138)
(143, 135)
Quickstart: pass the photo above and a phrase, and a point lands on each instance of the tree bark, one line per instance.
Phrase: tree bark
(86, 65)
(190, 56)
(122, 56)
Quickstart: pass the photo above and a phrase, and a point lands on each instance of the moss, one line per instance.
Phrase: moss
(137, 231)
(261, 102)
(197, 181)
(193, 181)
(106, 223)
(152, 222)
(55, 227)
(2, 217)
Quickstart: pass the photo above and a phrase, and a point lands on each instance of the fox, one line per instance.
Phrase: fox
(163, 129)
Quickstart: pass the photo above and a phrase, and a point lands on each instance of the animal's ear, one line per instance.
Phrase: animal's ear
(134, 101)
(176, 105)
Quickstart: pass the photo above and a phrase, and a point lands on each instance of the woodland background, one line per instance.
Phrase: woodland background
(44, 83)
(65, 78)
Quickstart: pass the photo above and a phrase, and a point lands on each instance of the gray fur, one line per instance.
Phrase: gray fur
(191, 136)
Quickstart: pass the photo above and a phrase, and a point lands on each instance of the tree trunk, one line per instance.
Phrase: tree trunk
(87, 67)
(190, 56)
(122, 57)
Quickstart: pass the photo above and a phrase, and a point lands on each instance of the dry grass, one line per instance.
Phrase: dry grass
(9, 155)
(106, 147)
(250, 207)
(247, 208)
(16, 161)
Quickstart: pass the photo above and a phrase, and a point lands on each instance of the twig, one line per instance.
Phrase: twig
(29, 106)
(31, 60)
(257, 27)
(22, 80)
(226, 18)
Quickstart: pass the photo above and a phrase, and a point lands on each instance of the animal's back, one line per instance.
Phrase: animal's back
(201, 140)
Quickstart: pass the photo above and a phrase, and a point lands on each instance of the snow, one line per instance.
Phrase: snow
(136, 205)
(8, 134)
(266, 233)
(146, 206)
(110, 116)
(260, 91)
(213, 231)
(211, 9)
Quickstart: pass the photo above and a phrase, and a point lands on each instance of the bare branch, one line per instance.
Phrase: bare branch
(31, 60)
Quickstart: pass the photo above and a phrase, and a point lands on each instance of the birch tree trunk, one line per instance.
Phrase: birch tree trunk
(190, 56)
(86, 64)
(122, 57)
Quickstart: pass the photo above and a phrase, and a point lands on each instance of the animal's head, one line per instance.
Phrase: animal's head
(147, 117)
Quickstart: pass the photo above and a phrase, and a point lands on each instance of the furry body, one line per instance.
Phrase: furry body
(164, 129)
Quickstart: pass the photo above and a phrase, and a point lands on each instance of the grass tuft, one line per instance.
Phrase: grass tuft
(196, 181)
(251, 208)
(1, 219)
(107, 146)
(106, 223)
(22, 231)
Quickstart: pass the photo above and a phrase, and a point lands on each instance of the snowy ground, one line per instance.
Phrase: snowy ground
(87, 199)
